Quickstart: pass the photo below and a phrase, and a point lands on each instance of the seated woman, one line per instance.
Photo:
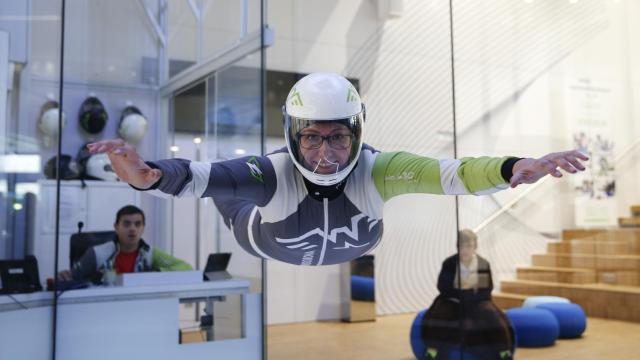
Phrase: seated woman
(463, 317)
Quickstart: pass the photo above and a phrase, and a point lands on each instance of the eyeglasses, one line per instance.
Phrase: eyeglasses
(335, 141)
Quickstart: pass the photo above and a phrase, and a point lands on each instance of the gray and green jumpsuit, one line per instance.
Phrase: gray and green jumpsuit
(276, 214)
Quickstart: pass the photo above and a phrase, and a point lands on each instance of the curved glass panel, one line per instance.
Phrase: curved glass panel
(530, 84)
(30, 65)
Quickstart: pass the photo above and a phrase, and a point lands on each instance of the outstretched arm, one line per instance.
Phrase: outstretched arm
(249, 178)
(397, 173)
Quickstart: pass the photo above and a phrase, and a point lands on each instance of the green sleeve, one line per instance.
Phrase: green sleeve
(397, 173)
(162, 261)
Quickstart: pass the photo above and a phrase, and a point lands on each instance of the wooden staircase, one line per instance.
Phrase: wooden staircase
(633, 221)
(596, 268)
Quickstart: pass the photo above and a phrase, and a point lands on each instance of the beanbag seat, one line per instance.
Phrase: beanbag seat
(533, 301)
(534, 327)
(571, 318)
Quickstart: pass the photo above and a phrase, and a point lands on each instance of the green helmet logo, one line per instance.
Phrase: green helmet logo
(351, 95)
(295, 98)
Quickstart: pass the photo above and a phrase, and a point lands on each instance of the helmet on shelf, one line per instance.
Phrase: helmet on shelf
(69, 169)
(98, 167)
(133, 125)
(50, 119)
(92, 116)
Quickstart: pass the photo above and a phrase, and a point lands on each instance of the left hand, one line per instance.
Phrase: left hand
(528, 171)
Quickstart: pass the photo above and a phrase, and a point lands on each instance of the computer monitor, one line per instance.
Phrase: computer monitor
(19, 276)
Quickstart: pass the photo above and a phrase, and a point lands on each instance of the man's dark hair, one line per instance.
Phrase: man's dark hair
(129, 210)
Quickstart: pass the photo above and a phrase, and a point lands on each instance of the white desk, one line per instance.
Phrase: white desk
(122, 322)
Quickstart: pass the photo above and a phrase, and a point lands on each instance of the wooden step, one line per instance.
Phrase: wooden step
(612, 247)
(588, 261)
(559, 275)
(507, 301)
(613, 234)
(597, 300)
(630, 222)
(626, 278)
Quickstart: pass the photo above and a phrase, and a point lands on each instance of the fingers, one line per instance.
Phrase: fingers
(105, 146)
(566, 165)
(575, 163)
(551, 168)
(530, 171)
(125, 151)
(578, 154)
(569, 161)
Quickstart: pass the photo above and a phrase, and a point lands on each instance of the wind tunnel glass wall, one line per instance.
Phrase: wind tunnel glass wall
(531, 78)
(399, 59)
(29, 118)
(218, 119)
(106, 248)
(543, 77)
(215, 118)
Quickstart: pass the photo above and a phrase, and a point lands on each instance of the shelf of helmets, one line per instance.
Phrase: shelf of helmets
(597, 268)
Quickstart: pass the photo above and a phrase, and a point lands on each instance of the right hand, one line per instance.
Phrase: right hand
(126, 162)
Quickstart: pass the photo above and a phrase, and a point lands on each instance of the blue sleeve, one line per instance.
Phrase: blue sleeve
(250, 178)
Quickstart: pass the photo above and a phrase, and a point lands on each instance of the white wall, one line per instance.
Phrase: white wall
(514, 61)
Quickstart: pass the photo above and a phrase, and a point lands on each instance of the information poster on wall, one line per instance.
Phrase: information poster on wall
(589, 108)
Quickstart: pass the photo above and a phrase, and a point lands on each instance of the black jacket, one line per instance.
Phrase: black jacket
(447, 281)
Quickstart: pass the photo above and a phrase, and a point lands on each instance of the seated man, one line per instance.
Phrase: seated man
(463, 317)
(125, 254)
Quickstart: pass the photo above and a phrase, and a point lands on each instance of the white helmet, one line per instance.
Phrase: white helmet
(98, 166)
(133, 125)
(324, 98)
(48, 122)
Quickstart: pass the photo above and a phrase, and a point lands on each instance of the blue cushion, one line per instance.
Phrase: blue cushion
(571, 318)
(533, 301)
(534, 327)
(362, 288)
(417, 344)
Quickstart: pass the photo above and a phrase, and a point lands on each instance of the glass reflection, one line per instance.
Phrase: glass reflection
(463, 318)
(30, 122)
(109, 254)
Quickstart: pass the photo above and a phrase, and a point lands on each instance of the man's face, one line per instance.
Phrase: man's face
(129, 230)
(325, 159)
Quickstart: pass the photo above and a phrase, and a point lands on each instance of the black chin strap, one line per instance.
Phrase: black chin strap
(320, 192)
(330, 192)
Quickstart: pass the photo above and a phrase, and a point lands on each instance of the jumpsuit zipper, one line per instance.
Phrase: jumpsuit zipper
(325, 233)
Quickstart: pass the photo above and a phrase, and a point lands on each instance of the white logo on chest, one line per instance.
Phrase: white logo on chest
(300, 243)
